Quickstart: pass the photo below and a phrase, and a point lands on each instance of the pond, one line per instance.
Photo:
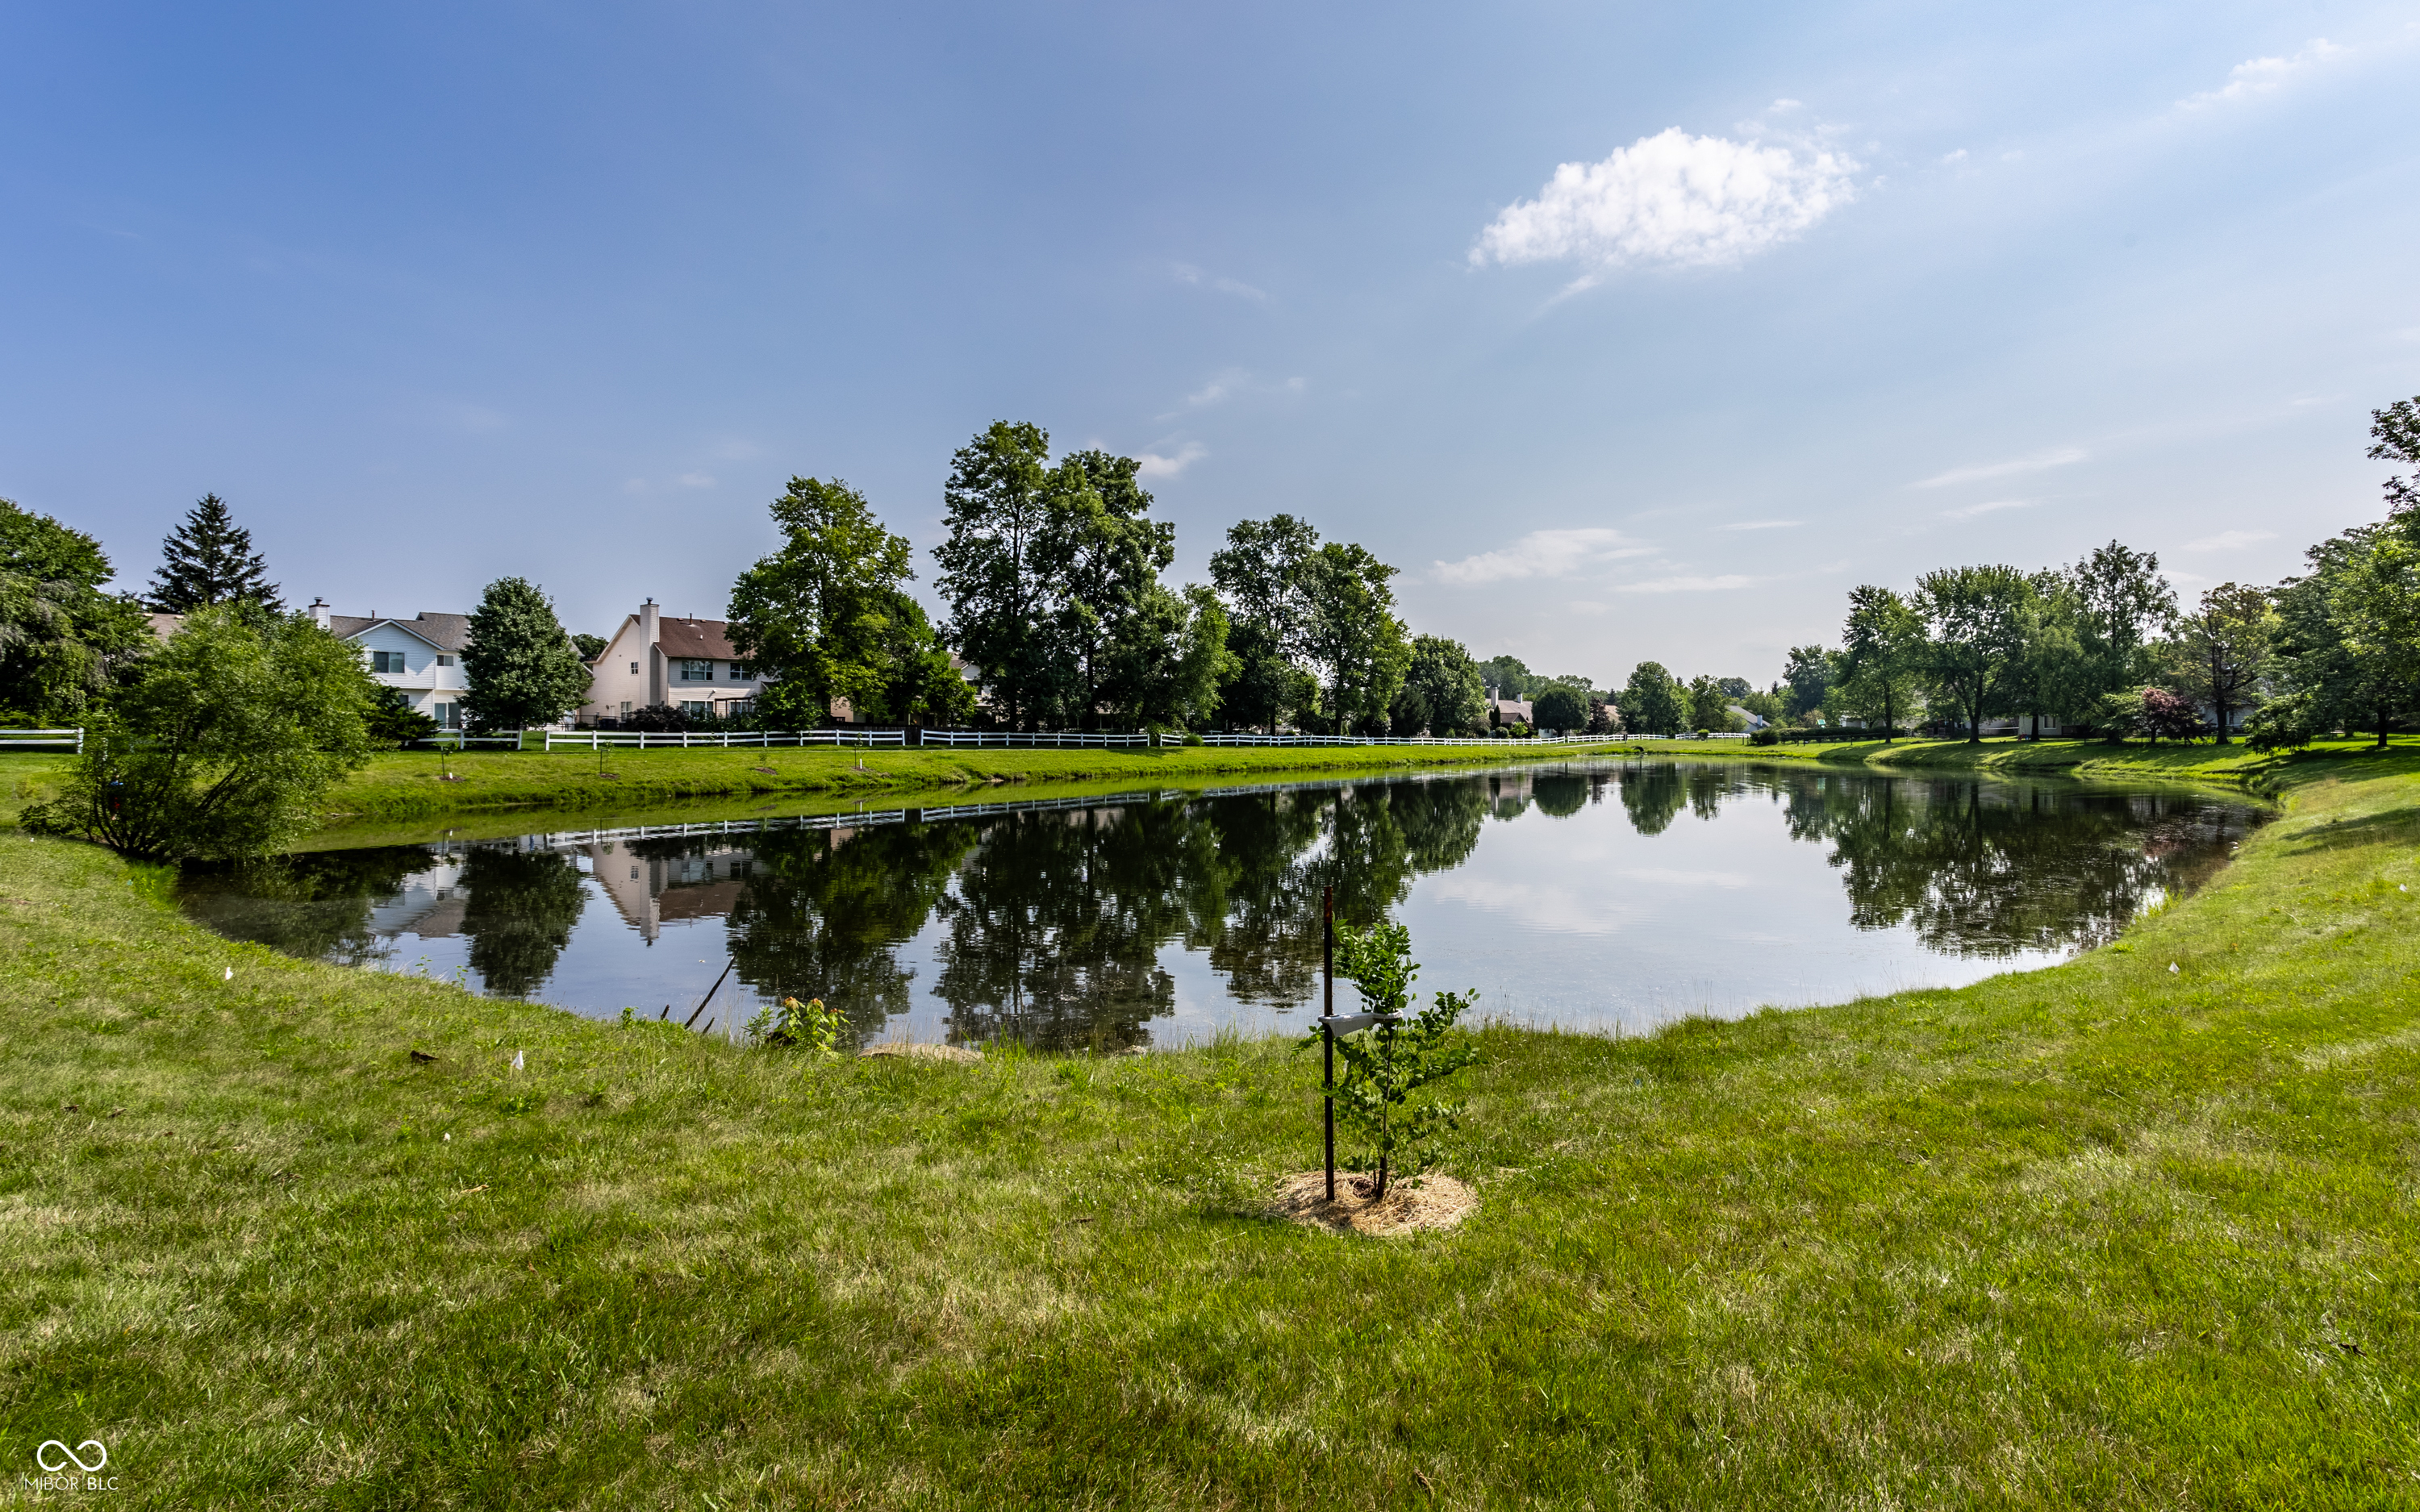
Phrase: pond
(1595, 896)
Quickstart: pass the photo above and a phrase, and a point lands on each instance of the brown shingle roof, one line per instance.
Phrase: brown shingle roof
(695, 638)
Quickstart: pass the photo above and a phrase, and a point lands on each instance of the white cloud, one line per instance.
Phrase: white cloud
(1959, 156)
(1993, 507)
(1152, 464)
(1542, 554)
(1765, 525)
(696, 480)
(1687, 584)
(2265, 75)
(1187, 273)
(2230, 540)
(1690, 201)
(1989, 471)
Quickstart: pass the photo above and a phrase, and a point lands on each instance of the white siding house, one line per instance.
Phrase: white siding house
(421, 655)
(657, 659)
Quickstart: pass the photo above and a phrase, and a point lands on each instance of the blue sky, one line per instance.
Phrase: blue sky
(1830, 294)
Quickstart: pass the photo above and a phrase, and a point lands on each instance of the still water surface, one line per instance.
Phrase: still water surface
(1589, 895)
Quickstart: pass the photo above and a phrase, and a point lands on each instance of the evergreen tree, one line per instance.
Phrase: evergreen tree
(210, 560)
(522, 666)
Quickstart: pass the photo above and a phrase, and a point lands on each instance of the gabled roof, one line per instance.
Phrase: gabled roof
(446, 632)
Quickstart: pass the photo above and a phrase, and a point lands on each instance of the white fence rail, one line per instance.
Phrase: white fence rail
(682, 739)
(42, 740)
(995, 739)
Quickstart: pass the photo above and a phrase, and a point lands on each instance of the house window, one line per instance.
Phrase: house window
(698, 709)
(634, 669)
(625, 708)
(697, 671)
(444, 660)
(739, 707)
(386, 662)
(448, 716)
(742, 672)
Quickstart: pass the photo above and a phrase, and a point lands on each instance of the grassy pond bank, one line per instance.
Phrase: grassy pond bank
(2137, 1231)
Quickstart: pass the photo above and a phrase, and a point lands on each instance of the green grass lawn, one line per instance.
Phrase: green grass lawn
(2106, 1235)
(407, 783)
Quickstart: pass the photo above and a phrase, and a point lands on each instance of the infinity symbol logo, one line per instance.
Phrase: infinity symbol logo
(42, 1456)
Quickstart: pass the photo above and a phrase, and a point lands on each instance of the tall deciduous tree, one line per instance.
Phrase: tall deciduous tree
(1974, 635)
(1561, 708)
(207, 559)
(1353, 643)
(1442, 693)
(2344, 651)
(1651, 700)
(1882, 653)
(1260, 575)
(1709, 706)
(2121, 603)
(993, 573)
(1809, 673)
(2221, 650)
(2396, 431)
(520, 664)
(1171, 661)
(224, 745)
(1103, 559)
(63, 643)
(822, 618)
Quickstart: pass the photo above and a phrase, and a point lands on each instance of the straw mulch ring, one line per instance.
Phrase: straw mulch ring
(922, 1052)
(1430, 1202)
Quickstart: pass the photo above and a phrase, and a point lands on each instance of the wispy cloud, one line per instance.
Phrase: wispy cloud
(1152, 464)
(1189, 274)
(2230, 540)
(1543, 554)
(1988, 471)
(2265, 75)
(1674, 199)
(695, 480)
(1992, 507)
(1235, 381)
(1687, 584)
(1765, 525)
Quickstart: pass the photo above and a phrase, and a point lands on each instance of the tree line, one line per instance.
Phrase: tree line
(1053, 573)
(2103, 646)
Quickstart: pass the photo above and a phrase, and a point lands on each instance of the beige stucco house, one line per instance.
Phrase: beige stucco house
(657, 659)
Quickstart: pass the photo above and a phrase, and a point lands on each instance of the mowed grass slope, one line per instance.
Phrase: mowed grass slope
(2107, 1235)
(401, 784)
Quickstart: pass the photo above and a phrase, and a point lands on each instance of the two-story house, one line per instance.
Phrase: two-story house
(657, 659)
(421, 655)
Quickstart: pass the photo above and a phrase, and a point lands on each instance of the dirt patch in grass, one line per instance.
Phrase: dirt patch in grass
(922, 1052)
(1420, 1202)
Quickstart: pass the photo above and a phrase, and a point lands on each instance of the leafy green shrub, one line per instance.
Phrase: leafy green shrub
(1385, 1064)
(1192, 739)
(810, 1027)
(1766, 736)
(224, 746)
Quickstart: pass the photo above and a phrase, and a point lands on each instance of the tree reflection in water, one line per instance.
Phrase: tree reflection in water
(519, 914)
(316, 905)
(1047, 925)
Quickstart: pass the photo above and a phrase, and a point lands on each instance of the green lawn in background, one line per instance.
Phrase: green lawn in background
(2105, 1235)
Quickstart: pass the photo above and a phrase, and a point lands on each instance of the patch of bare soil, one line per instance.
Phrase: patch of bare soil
(922, 1052)
(1430, 1202)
